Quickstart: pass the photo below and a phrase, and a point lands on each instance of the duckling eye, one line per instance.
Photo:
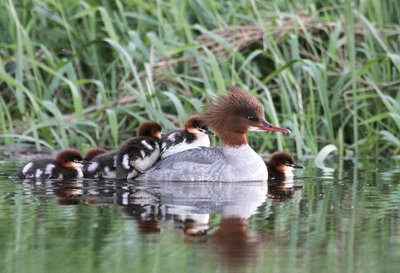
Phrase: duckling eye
(252, 118)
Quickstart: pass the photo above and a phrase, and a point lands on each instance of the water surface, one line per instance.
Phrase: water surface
(346, 221)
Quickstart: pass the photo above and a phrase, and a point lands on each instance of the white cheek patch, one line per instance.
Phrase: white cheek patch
(38, 173)
(288, 172)
(142, 153)
(77, 166)
(147, 145)
(125, 161)
(26, 168)
(93, 166)
(80, 173)
(254, 129)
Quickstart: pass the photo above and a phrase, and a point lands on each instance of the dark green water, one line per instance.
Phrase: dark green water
(347, 221)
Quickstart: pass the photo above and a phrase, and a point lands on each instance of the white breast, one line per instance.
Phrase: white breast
(147, 161)
(247, 164)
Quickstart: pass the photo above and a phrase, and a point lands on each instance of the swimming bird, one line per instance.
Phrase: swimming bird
(67, 165)
(101, 166)
(281, 166)
(138, 154)
(231, 116)
(194, 135)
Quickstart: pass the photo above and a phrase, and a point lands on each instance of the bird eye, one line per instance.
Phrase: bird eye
(252, 118)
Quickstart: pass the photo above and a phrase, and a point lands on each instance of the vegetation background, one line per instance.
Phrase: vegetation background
(84, 73)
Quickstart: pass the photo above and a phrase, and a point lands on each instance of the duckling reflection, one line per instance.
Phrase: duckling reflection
(69, 192)
(101, 192)
(142, 205)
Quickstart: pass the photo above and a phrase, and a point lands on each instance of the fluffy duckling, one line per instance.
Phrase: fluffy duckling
(281, 166)
(101, 165)
(138, 154)
(67, 165)
(194, 135)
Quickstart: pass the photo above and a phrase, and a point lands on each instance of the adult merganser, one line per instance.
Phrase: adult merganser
(93, 152)
(281, 166)
(194, 135)
(230, 116)
(67, 165)
(136, 155)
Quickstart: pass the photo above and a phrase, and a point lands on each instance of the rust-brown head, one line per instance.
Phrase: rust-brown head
(93, 152)
(232, 115)
(70, 158)
(149, 129)
(196, 125)
(282, 163)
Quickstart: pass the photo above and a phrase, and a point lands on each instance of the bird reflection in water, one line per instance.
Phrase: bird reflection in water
(215, 215)
(142, 205)
(282, 189)
(69, 192)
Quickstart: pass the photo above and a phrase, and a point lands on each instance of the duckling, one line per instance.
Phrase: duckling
(194, 135)
(281, 166)
(67, 165)
(138, 154)
(101, 166)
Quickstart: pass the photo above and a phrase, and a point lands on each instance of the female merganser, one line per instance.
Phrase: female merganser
(93, 152)
(194, 135)
(281, 166)
(138, 154)
(67, 165)
(101, 166)
(230, 116)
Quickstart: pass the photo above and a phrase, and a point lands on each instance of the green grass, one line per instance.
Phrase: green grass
(82, 73)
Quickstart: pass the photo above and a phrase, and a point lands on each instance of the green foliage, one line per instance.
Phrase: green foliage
(80, 73)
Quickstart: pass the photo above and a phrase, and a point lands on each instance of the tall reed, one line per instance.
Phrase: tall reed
(80, 73)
